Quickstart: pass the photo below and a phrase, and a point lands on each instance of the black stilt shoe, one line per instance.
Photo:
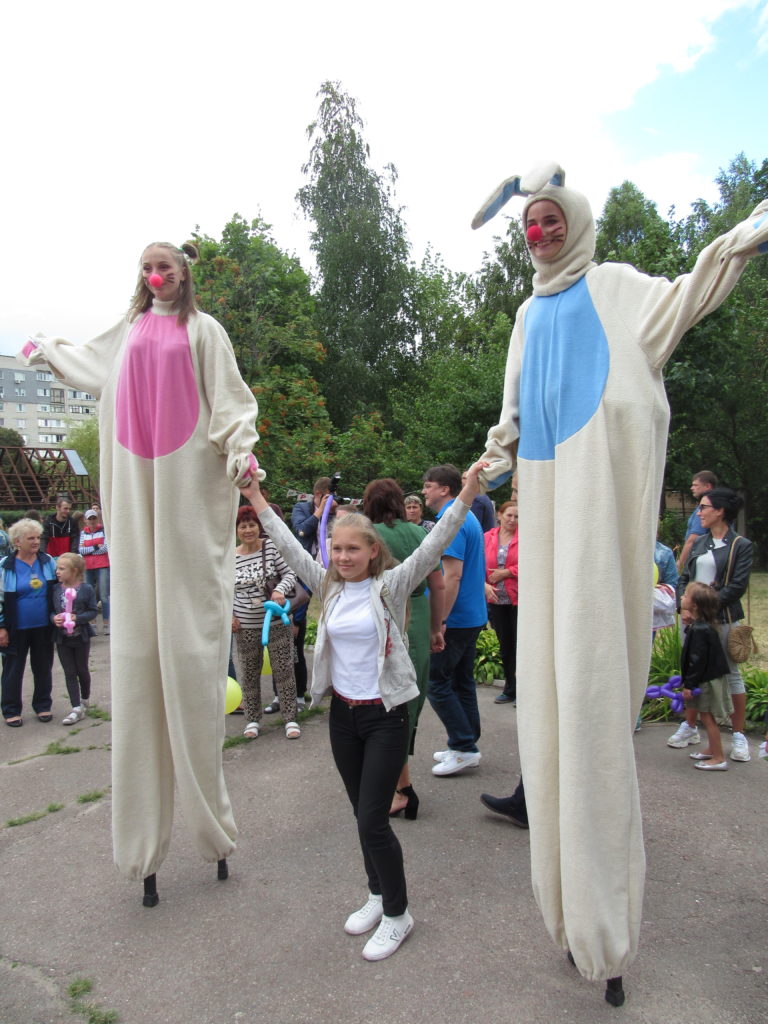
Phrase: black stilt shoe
(222, 870)
(151, 899)
(614, 992)
(411, 808)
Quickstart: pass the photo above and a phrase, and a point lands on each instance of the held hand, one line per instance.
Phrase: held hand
(490, 594)
(687, 695)
(58, 620)
(471, 488)
(497, 575)
(278, 598)
(251, 490)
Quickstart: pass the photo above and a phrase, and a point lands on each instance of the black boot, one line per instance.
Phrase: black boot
(614, 992)
(222, 870)
(151, 899)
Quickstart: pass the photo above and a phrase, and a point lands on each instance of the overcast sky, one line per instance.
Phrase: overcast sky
(126, 123)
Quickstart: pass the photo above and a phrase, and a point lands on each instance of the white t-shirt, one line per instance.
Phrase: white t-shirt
(354, 643)
(705, 565)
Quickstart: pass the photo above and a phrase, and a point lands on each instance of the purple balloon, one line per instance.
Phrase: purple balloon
(324, 530)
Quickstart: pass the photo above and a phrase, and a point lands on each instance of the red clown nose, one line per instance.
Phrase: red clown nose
(157, 281)
(533, 234)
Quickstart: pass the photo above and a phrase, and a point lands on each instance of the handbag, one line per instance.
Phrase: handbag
(741, 640)
(298, 597)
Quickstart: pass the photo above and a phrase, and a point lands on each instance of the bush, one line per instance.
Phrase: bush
(488, 664)
(665, 662)
(756, 682)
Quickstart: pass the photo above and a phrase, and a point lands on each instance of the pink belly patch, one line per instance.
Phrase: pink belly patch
(157, 402)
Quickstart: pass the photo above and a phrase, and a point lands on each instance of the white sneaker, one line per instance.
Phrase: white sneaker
(740, 747)
(456, 761)
(684, 735)
(440, 755)
(388, 937)
(366, 917)
(762, 751)
(75, 715)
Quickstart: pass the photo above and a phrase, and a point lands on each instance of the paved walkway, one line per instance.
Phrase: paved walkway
(268, 944)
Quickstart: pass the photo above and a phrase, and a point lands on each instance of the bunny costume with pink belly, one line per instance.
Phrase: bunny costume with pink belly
(586, 416)
(176, 427)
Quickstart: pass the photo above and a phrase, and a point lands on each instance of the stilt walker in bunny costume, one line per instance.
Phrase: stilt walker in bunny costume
(586, 416)
(176, 426)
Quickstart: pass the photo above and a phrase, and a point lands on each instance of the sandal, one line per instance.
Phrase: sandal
(45, 716)
(292, 730)
(15, 722)
(704, 766)
(251, 730)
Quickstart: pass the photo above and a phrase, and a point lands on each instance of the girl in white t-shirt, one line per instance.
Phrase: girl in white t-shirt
(360, 654)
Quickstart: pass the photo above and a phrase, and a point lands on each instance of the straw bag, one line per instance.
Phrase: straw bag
(741, 641)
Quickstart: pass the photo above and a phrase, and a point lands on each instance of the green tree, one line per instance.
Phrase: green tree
(263, 299)
(10, 438)
(360, 245)
(631, 230)
(83, 436)
(718, 378)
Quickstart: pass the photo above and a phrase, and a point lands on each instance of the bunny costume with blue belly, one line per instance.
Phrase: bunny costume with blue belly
(586, 415)
(176, 428)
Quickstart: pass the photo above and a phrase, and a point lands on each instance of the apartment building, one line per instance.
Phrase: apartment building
(38, 406)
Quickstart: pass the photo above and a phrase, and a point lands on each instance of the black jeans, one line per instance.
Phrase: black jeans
(503, 619)
(38, 644)
(369, 746)
(77, 675)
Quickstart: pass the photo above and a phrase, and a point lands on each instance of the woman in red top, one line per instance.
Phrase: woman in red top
(501, 593)
(93, 548)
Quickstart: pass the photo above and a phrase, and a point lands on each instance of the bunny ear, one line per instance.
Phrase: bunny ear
(498, 198)
(545, 173)
(534, 180)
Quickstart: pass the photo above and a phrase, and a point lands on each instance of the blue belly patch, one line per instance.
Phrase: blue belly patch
(564, 370)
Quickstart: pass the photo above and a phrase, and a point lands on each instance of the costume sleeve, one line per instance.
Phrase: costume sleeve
(666, 310)
(501, 445)
(299, 560)
(86, 367)
(233, 407)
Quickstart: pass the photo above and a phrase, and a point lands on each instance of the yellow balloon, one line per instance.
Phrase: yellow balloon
(655, 574)
(266, 668)
(234, 696)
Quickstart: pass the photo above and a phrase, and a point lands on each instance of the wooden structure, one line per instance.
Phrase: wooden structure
(33, 478)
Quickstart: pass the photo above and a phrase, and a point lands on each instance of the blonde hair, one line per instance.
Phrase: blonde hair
(183, 256)
(76, 561)
(380, 562)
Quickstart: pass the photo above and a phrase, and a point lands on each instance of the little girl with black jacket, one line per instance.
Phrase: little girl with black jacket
(74, 646)
(705, 666)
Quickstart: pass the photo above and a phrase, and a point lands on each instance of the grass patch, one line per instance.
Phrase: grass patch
(25, 820)
(92, 797)
(99, 714)
(235, 741)
(79, 987)
(59, 747)
(88, 1011)
(52, 808)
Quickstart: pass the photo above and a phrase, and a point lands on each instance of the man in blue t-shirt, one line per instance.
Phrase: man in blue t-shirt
(702, 482)
(452, 689)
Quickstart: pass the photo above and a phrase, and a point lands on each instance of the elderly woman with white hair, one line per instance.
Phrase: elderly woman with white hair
(27, 578)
